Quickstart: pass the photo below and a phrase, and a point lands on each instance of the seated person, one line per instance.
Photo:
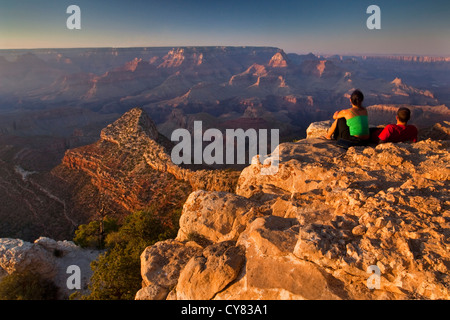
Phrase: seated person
(351, 124)
(400, 132)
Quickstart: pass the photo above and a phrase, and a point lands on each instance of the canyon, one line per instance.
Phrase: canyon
(324, 218)
(85, 132)
(74, 93)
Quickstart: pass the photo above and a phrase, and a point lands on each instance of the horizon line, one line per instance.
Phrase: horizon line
(235, 46)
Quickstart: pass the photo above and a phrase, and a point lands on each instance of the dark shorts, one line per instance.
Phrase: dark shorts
(342, 130)
(342, 135)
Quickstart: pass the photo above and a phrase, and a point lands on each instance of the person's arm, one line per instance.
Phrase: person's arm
(339, 114)
(384, 135)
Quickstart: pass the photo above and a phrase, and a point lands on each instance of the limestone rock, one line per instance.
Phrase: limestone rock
(215, 216)
(161, 265)
(152, 292)
(205, 275)
(304, 166)
(273, 272)
(132, 124)
(318, 129)
(274, 236)
(48, 258)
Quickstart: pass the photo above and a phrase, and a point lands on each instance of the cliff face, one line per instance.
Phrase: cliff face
(315, 229)
(130, 169)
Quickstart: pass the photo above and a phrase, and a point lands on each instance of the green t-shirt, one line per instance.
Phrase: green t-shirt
(359, 125)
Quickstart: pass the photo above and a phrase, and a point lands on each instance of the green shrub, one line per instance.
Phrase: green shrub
(116, 273)
(91, 236)
(27, 286)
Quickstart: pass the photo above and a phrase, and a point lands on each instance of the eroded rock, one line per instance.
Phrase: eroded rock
(48, 258)
(215, 216)
(206, 275)
(161, 265)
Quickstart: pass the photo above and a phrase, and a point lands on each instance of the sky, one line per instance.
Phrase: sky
(411, 27)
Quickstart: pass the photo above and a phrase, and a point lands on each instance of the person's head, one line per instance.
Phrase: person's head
(403, 115)
(357, 98)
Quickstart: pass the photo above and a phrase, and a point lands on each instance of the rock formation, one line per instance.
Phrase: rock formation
(130, 169)
(318, 129)
(279, 60)
(48, 258)
(316, 229)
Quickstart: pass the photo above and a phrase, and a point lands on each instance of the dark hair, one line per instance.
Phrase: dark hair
(404, 114)
(357, 98)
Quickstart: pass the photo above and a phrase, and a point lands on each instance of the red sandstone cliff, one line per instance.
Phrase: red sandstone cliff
(130, 169)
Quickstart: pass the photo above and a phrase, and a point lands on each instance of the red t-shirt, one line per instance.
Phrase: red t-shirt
(398, 133)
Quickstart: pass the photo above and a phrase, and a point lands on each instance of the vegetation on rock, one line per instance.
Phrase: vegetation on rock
(117, 273)
(27, 285)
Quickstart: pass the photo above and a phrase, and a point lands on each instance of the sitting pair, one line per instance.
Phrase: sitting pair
(351, 126)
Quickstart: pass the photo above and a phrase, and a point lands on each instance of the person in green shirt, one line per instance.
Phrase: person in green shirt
(351, 124)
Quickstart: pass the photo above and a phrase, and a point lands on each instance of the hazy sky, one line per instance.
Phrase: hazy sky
(318, 26)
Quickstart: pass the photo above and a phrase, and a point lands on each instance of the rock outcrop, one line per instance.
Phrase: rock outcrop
(279, 60)
(316, 229)
(318, 129)
(136, 131)
(439, 131)
(48, 258)
(130, 169)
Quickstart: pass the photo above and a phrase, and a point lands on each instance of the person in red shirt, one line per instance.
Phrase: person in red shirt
(400, 132)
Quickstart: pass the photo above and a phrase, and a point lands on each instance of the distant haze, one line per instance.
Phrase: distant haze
(321, 26)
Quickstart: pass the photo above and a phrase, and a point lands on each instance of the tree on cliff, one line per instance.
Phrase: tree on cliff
(92, 235)
(117, 273)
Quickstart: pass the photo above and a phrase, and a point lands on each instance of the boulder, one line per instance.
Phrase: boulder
(303, 166)
(272, 271)
(48, 258)
(206, 275)
(215, 216)
(161, 265)
(318, 129)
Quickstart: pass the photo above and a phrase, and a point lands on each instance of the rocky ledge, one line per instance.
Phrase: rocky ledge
(315, 229)
(48, 258)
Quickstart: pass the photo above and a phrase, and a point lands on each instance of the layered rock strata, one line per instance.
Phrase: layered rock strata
(130, 169)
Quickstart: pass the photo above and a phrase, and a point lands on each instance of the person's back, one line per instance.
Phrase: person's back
(351, 124)
(358, 122)
(400, 132)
